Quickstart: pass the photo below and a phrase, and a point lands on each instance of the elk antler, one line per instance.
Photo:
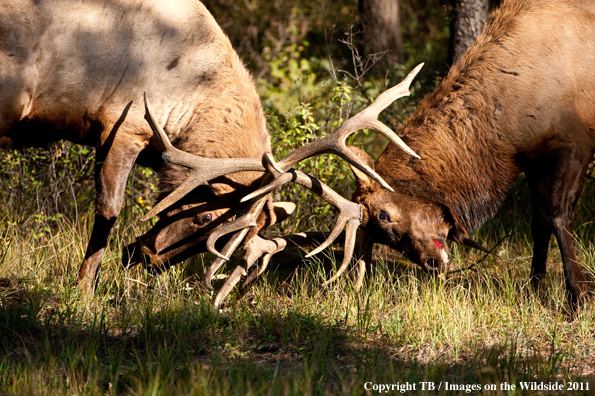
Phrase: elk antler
(350, 215)
(349, 211)
(205, 169)
(333, 143)
(229, 284)
(300, 239)
(262, 249)
(228, 249)
(244, 222)
(366, 119)
(256, 248)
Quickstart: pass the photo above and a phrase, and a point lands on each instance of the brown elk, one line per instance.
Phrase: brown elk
(521, 99)
(77, 70)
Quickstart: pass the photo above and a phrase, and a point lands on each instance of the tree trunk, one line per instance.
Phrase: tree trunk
(467, 20)
(382, 30)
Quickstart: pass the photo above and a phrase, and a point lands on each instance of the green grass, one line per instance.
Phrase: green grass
(159, 335)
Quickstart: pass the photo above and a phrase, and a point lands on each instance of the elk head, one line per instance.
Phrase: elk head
(417, 227)
(409, 225)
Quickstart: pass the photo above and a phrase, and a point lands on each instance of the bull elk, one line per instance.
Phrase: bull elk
(521, 99)
(77, 70)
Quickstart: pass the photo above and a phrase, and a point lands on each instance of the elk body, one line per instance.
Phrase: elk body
(77, 70)
(521, 99)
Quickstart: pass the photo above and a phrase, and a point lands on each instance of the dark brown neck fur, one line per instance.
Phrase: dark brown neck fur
(468, 160)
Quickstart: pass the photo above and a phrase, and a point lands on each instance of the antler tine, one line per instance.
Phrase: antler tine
(390, 95)
(350, 235)
(229, 284)
(258, 247)
(361, 273)
(278, 182)
(244, 222)
(367, 118)
(205, 169)
(167, 148)
(266, 259)
(350, 212)
(229, 248)
(182, 190)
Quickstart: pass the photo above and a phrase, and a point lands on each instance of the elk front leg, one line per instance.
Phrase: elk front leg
(113, 164)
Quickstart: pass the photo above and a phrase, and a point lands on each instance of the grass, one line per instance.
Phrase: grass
(289, 335)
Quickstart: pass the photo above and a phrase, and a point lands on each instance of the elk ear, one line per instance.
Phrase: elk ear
(362, 181)
(283, 210)
(220, 189)
(276, 212)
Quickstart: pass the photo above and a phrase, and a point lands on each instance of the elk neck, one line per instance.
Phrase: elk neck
(225, 120)
(507, 101)
(466, 133)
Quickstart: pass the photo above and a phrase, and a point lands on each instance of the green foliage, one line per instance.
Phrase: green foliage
(292, 78)
(39, 187)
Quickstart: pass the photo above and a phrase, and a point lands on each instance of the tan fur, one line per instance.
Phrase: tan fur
(77, 70)
(80, 63)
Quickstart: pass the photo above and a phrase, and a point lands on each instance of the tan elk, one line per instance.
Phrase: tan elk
(77, 70)
(521, 99)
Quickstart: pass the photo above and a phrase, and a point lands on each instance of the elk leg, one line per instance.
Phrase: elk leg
(569, 176)
(113, 164)
(540, 226)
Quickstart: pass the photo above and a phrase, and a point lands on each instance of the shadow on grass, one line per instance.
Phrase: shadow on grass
(163, 346)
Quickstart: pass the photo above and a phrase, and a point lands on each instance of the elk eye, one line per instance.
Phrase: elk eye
(204, 219)
(384, 216)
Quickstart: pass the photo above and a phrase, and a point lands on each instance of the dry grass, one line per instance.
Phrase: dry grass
(289, 335)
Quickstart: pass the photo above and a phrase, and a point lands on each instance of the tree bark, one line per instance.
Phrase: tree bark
(382, 30)
(467, 20)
